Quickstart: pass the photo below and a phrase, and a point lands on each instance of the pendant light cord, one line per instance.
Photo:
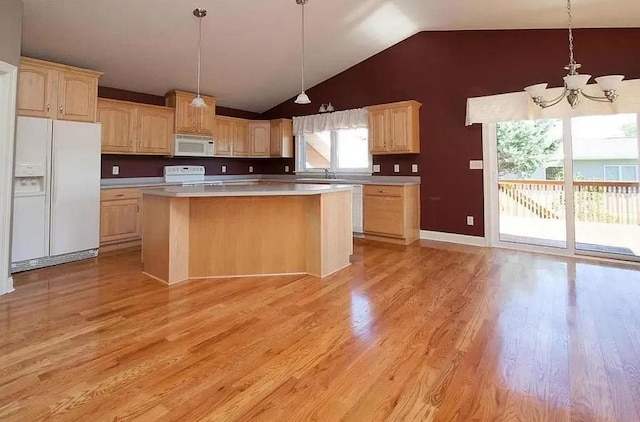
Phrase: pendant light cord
(199, 52)
(572, 61)
(303, 47)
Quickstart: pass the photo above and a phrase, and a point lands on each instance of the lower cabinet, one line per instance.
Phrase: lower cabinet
(120, 218)
(391, 213)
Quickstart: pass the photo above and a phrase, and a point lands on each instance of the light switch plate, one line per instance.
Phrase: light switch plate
(115, 170)
(286, 169)
(224, 169)
(250, 169)
(475, 165)
(396, 168)
(376, 168)
(469, 220)
(414, 168)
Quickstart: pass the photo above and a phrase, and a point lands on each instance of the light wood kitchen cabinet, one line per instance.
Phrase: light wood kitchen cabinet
(391, 213)
(155, 130)
(241, 138)
(190, 120)
(56, 91)
(118, 119)
(394, 128)
(232, 137)
(281, 138)
(260, 138)
(120, 218)
(132, 128)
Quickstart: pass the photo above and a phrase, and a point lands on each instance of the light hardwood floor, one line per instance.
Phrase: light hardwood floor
(422, 333)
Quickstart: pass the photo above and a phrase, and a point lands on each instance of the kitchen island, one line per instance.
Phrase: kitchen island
(192, 232)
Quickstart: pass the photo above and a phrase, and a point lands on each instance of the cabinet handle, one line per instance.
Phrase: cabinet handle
(139, 144)
(48, 107)
(137, 208)
(380, 191)
(61, 109)
(119, 195)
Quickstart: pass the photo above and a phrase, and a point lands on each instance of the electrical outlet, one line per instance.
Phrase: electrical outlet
(414, 168)
(469, 220)
(115, 170)
(376, 168)
(475, 165)
(396, 168)
(286, 169)
(250, 169)
(224, 169)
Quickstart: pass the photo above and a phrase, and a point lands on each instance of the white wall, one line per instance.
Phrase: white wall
(10, 45)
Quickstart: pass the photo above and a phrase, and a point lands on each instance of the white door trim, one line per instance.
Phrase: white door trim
(8, 92)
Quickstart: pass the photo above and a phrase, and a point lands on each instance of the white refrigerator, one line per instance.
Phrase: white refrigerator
(56, 211)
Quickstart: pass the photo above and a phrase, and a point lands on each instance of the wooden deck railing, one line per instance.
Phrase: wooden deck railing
(595, 201)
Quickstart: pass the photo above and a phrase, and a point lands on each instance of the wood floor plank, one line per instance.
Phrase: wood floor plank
(430, 332)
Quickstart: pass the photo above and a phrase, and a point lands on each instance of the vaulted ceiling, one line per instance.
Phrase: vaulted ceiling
(251, 48)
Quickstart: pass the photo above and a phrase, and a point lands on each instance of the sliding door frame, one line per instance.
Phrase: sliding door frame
(492, 202)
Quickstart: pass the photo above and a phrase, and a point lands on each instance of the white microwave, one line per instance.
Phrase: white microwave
(193, 146)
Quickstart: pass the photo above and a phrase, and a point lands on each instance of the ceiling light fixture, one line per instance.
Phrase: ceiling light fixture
(574, 83)
(326, 108)
(303, 98)
(199, 13)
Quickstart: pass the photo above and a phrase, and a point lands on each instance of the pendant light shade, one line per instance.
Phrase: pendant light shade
(303, 98)
(199, 13)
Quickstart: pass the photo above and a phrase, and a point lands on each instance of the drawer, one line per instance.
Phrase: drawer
(116, 194)
(384, 215)
(380, 190)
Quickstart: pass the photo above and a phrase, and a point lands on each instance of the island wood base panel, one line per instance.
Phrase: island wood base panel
(189, 238)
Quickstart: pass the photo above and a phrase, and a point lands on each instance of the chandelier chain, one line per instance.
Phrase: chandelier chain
(199, 51)
(572, 61)
(303, 46)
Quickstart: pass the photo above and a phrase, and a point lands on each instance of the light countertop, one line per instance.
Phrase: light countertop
(262, 189)
(149, 182)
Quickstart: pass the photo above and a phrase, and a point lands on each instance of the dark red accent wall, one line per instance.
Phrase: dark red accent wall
(443, 69)
(152, 166)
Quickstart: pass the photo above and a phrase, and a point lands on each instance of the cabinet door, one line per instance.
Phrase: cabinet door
(155, 131)
(260, 138)
(241, 138)
(378, 131)
(275, 141)
(120, 220)
(187, 117)
(207, 121)
(224, 137)
(37, 96)
(118, 126)
(384, 215)
(77, 96)
(399, 128)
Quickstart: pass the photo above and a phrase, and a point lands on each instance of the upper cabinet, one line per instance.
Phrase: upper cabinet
(260, 138)
(191, 120)
(56, 91)
(394, 128)
(232, 137)
(281, 139)
(131, 128)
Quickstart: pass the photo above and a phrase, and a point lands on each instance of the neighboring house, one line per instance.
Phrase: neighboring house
(597, 159)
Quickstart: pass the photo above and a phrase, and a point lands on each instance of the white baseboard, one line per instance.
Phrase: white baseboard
(6, 286)
(453, 238)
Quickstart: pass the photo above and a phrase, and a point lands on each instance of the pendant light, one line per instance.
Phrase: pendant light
(303, 98)
(199, 13)
(574, 82)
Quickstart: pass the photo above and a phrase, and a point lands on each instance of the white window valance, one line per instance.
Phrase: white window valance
(519, 106)
(348, 119)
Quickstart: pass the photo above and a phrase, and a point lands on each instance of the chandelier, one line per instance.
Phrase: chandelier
(199, 13)
(574, 82)
(303, 98)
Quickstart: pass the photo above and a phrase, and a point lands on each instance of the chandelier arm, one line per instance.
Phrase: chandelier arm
(604, 99)
(551, 103)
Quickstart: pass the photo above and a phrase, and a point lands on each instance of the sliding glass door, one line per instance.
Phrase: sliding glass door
(568, 185)
(530, 167)
(605, 185)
